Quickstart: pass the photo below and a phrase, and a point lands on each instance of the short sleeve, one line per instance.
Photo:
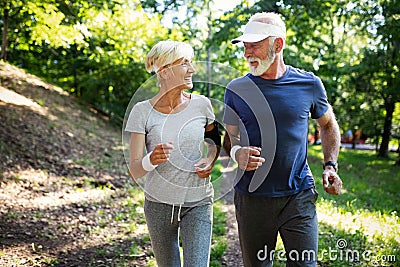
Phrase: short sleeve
(230, 116)
(137, 119)
(209, 111)
(320, 101)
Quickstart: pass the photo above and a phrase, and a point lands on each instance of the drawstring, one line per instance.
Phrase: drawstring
(206, 181)
(179, 213)
(172, 215)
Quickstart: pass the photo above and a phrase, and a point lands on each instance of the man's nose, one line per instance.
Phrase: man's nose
(247, 52)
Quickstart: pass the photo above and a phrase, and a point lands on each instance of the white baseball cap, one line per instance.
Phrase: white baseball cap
(256, 31)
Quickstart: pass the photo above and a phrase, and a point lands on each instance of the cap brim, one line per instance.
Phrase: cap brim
(249, 38)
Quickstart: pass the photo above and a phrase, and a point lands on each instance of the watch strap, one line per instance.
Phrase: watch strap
(331, 163)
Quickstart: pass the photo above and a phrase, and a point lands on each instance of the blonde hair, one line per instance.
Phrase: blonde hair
(166, 52)
(269, 18)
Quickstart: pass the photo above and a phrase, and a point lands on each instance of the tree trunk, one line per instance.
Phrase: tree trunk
(354, 140)
(384, 148)
(209, 85)
(4, 42)
(74, 60)
(316, 135)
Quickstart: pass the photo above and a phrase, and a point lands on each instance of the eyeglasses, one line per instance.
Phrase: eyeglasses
(185, 64)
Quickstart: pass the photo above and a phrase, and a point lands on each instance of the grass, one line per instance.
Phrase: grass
(219, 240)
(370, 183)
(360, 227)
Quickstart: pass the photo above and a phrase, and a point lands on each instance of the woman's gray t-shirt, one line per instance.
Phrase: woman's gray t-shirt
(175, 182)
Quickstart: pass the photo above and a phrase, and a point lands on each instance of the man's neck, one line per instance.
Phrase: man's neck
(276, 70)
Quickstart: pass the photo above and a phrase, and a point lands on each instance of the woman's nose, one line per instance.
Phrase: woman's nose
(192, 68)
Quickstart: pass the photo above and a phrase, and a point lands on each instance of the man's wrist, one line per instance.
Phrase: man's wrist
(332, 164)
(234, 149)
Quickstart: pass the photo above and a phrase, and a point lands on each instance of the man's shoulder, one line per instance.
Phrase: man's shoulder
(240, 82)
(301, 73)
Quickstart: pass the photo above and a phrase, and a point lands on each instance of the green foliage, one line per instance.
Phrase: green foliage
(219, 240)
(47, 26)
(96, 49)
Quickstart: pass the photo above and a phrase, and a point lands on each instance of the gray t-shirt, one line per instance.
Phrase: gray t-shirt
(175, 182)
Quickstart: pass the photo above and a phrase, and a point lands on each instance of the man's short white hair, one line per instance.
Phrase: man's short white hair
(167, 52)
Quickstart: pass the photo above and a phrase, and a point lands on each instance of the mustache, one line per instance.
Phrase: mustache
(252, 59)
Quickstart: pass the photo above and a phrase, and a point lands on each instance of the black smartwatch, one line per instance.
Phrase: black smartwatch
(331, 163)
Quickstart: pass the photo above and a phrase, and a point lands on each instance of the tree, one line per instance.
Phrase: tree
(390, 90)
(10, 9)
(378, 72)
(94, 49)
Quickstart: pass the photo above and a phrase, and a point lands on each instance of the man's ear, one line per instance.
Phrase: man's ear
(279, 44)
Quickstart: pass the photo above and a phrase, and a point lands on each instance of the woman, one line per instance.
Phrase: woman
(173, 126)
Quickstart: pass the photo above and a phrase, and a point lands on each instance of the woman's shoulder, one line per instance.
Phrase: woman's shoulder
(201, 101)
(200, 98)
(142, 105)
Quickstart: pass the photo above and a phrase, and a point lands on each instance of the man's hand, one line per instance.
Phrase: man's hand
(248, 158)
(332, 182)
(204, 167)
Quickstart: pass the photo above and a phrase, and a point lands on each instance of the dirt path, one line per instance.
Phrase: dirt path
(232, 256)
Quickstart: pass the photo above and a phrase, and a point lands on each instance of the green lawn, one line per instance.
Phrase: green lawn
(360, 227)
(364, 218)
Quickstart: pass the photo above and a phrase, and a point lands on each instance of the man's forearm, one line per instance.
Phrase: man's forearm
(213, 151)
(330, 139)
(227, 144)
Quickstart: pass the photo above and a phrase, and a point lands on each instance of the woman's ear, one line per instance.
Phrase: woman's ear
(163, 73)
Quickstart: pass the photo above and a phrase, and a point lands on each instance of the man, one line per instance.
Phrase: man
(266, 120)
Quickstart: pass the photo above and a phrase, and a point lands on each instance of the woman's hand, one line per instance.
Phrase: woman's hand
(204, 167)
(161, 153)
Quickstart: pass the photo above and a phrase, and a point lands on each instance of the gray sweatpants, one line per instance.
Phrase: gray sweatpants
(194, 224)
(294, 217)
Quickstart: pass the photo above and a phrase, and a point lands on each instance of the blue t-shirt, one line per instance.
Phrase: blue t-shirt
(273, 115)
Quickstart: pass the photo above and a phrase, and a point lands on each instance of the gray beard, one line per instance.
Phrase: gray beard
(263, 64)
